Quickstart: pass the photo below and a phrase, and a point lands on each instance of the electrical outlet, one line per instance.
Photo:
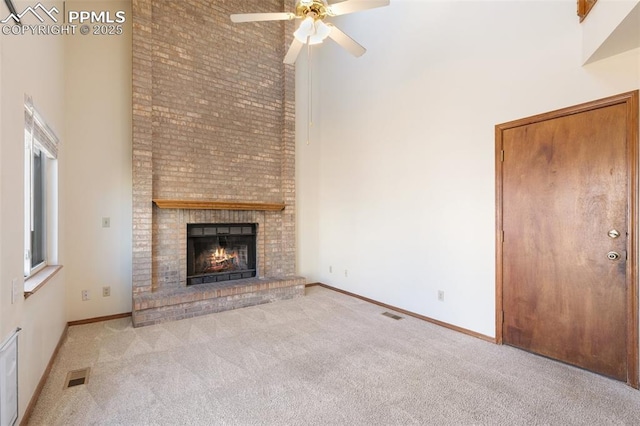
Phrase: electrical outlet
(85, 295)
(346, 273)
(331, 269)
(441, 295)
(106, 291)
(106, 222)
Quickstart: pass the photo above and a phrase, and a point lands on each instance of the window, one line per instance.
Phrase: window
(41, 152)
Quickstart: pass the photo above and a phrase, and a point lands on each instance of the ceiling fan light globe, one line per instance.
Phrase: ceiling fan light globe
(305, 30)
(322, 30)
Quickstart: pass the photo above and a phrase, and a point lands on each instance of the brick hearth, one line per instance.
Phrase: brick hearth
(213, 121)
(209, 298)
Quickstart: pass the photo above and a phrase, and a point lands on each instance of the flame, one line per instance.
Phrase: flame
(220, 260)
(220, 254)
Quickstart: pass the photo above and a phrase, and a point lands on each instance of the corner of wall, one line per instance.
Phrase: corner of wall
(612, 27)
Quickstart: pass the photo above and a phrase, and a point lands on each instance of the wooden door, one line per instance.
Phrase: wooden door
(566, 179)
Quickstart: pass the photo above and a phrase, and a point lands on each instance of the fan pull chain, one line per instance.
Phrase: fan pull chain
(309, 94)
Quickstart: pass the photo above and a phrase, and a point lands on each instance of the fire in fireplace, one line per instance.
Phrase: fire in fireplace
(220, 252)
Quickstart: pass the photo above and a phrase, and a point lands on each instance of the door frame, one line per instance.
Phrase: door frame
(630, 100)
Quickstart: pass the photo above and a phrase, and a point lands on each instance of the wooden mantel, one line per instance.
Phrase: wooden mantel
(217, 205)
(584, 7)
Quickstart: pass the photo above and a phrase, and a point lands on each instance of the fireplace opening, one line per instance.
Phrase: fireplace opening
(220, 252)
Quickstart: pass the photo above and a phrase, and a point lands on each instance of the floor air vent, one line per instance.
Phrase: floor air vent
(390, 315)
(77, 377)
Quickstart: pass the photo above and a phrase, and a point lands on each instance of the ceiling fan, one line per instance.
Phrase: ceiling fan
(313, 30)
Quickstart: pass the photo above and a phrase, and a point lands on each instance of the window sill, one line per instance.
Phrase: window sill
(37, 281)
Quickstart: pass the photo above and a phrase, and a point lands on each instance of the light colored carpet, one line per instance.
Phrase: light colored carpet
(325, 359)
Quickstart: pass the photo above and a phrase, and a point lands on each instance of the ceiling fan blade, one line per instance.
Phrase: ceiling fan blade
(294, 51)
(258, 17)
(351, 6)
(349, 44)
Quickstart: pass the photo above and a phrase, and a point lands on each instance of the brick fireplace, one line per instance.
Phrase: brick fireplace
(213, 142)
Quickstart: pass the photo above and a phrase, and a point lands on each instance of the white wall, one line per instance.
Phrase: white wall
(82, 87)
(96, 181)
(402, 170)
(35, 66)
(4, 282)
